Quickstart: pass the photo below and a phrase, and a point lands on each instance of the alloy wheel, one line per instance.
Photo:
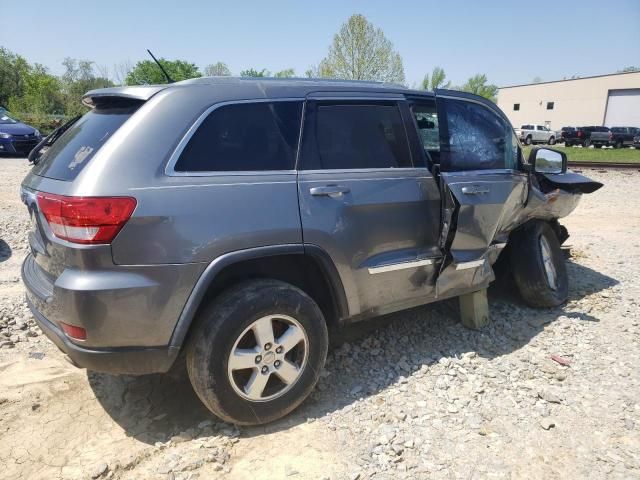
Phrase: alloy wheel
(268, 358)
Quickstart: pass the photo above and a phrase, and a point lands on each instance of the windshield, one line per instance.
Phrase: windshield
(4, 119)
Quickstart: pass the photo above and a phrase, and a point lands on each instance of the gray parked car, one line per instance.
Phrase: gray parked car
(237, 220)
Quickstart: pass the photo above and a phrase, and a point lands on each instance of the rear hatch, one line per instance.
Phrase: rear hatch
(62, 234)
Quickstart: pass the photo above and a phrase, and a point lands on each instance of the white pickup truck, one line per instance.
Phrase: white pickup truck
(529, 134)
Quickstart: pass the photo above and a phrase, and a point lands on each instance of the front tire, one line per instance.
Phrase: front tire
(539, 268)
(257, 351)
(528, 140)
(552, 141)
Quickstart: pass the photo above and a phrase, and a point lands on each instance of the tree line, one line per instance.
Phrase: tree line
(359, 51)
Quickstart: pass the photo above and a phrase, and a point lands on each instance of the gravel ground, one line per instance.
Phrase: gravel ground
(411, 395)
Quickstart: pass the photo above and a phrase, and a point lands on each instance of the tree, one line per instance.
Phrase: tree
(537, 80)
(13, 71)
(478, 85)
(147, 72)
(360, 51)
(629, 69)
(79, 77)
(288, 73)
(312, 72)
(121, 71)
(219, 69)
(42, 93)
(252, 72)
(437, 80)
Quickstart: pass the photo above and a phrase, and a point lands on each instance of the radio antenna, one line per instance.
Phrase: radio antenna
(169, 79)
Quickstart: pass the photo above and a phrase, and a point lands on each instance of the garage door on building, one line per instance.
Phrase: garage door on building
(623, 108)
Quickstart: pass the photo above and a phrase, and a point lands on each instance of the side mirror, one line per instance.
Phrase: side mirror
(545, 160)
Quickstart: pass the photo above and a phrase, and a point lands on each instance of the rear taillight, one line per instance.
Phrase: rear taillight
(85, 219)
(610, 136)
(579, 134)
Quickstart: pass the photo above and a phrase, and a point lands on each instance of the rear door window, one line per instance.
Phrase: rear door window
(244, 137)
(66, 158)
(355, 136)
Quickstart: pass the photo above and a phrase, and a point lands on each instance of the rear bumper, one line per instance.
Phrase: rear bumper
(129, 360)
(129, 314)
(119, 307)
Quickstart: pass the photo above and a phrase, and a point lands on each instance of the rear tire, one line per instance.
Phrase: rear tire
(539, 268)
(586, 143)
(257, 351)
(597, 145)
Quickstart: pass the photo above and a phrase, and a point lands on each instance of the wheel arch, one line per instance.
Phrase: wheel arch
(560, 230)
(307, 267)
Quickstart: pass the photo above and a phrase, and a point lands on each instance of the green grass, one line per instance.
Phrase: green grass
(579, 154)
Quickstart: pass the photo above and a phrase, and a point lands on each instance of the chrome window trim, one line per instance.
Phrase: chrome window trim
(170, 167)
(378, 97)
(489, 171)
(401, 266)
(365, 170)
(471, 264)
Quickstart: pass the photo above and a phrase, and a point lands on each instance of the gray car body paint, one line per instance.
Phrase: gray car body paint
(390, 244)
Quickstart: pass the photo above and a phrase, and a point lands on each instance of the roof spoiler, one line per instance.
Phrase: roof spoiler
(136, 94)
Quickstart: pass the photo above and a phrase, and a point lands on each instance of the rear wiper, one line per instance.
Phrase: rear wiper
(34, 155)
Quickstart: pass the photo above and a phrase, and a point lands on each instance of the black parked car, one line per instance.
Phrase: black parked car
(623, 136)
(16, 138)
(567, 133)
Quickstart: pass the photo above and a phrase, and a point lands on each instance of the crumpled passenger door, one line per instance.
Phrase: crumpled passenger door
(483, 190)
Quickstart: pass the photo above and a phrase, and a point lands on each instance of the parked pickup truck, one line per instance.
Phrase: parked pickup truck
(597, 136)
(623, 136)
(587, 136)
(529, 134)
(567, 134)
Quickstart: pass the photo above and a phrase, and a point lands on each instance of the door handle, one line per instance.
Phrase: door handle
(475, 190)
(329, 191)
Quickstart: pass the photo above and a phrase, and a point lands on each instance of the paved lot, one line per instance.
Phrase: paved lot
(411, 395)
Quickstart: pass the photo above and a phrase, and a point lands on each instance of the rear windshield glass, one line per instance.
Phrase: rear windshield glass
(66, 158)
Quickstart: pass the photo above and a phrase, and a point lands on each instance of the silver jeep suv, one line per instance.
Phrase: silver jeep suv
(236, 220)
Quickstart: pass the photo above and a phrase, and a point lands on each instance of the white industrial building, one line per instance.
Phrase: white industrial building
(609, 100)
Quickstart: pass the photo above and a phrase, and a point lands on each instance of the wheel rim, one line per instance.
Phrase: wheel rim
(268, 358)
(547, 262)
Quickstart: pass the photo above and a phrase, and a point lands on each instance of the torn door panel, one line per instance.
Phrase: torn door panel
(484, 212)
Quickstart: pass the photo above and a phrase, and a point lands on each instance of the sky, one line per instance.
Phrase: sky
(511, 42)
